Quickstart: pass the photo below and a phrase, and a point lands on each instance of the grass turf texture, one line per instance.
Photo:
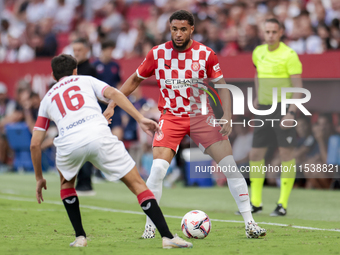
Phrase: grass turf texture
(29, 228)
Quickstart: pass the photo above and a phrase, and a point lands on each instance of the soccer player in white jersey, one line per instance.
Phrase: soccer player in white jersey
(85, 136)
(175, 64)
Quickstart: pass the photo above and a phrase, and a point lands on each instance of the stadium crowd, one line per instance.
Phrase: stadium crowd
(127, 29)
(41, 28)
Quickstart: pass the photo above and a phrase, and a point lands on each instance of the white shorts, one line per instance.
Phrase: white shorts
(108, 154)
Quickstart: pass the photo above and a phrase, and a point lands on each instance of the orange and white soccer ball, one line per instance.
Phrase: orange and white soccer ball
(196, 224)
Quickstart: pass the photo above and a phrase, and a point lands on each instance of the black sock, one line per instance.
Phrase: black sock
(72, 207)
(151, 209)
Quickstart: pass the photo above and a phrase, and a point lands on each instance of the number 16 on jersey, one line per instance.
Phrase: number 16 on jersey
(73, 103)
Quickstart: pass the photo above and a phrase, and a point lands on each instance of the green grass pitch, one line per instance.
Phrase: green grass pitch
(114, 221)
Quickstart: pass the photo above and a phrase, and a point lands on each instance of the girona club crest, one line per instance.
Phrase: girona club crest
(195, 66)
(159, 136)
(210, 120)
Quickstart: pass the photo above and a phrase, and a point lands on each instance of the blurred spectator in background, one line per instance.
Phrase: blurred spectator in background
(151, 21)
(322, 130)
(36, 10)
(30, 105)
(7, 107)
(162, 22)
(111, 25)
(317, 12)
(81, 51)
(97, 43)
(212, 40)
(43, 40)
(23, 91)
(16, 50)
(106, 68)
(253, 38)
(144, 41)
(333, 154)
(333, 11)
(109, 71)
(337, 125)
(125, 41)
(335, 34)
(307, 146)
(324, 33)
(229, 27)
(63, 15)
(304, 39)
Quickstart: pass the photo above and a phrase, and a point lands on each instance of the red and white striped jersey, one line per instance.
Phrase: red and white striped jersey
(72, 104)
(179, 73)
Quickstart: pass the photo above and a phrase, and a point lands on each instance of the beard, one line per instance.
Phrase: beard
(184, 45)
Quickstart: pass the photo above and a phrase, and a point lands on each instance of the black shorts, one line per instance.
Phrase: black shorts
(264, 135)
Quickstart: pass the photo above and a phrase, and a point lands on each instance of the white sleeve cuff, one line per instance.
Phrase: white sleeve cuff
(217, 79)
(140, 75)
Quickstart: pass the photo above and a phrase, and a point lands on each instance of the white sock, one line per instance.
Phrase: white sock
(155, 181)
(247, 216)
(237, 186)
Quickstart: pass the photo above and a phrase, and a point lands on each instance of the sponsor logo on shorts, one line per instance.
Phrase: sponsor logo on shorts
(159, 136)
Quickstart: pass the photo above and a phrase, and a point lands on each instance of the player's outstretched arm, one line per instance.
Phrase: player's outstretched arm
(131, 84)
(37, 138)
(123, 102)
(127, 88)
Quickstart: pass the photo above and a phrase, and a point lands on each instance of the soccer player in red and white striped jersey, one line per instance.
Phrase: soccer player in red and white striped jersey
(180, 66)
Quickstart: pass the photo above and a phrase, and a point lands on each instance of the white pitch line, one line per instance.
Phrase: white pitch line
(167, 216)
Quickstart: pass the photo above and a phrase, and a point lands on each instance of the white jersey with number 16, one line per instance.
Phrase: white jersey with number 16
(72, 104)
